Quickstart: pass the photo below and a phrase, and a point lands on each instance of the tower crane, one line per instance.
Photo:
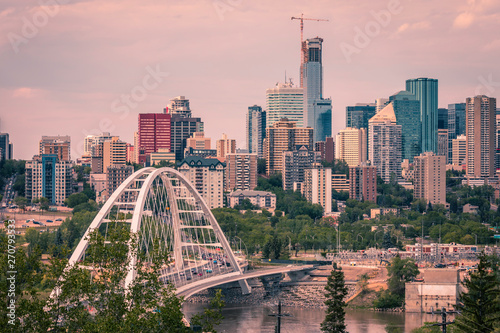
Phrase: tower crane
(302, 46)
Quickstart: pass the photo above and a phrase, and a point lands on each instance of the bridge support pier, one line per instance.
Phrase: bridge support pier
(245, 288)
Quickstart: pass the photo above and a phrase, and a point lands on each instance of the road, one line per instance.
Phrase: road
(9, 193)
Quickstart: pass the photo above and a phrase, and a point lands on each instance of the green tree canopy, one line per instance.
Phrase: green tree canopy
(479, 304)
(335, 301)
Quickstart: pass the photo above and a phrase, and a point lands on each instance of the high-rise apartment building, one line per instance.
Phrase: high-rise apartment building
(285, 101)
(497, 141)
(357, 116)
(456, 124)
(93, 144)
(59, 145)
(351, 146)
(407, 111)
(114, 152)
(363, 182)
(6, 147)
(183, 125)
(207, 177)
(443, 143)
(256, 130)
(49, 177)
(283, 136)
(179, 106)
(154, 133)
(329, 150)
(198, 141)
(459, 146)
(480, 132)
(116, 174)
(319, 146)
(384, 144)
(241, 171)
(136, 148)
(426, 91)
(317, 111)
(317, 187)
(294, 164)
(225, 146)
(430, 178)
(130, 153)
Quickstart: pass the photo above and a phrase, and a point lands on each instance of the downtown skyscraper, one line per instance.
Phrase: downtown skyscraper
(480, 133)
(384, 144)
(317, 111)
(456, 125)
(407, 112)
(182, 125)
(154, 133)
(285, 101)
(256, 130)
(426, 91)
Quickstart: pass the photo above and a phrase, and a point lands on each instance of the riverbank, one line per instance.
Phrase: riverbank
(296, 295)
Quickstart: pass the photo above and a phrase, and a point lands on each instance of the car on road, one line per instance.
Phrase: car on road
(439, 266)
(49, 221)
(59, 220)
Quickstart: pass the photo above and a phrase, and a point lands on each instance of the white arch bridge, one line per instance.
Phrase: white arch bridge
(166, 212)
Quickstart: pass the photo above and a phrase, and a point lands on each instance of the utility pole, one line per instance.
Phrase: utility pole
(422, 243)
(278, 318)
(443, 323)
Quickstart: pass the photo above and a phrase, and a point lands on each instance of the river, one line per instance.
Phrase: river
(252, 318)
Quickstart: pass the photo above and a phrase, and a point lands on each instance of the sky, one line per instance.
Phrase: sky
(79, 67)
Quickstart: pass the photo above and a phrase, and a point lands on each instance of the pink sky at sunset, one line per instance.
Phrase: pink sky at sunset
(67, 75)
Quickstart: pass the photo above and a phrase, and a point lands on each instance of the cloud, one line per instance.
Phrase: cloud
(494, 45)
(412, 27)
(24, 92)
(464, 20)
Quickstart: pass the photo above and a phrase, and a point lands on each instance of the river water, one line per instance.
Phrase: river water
(252, 318)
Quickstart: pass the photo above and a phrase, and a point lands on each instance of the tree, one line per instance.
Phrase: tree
(387, 242)
(44, 203)
(261, 166)
(76, 199)
(400, 271)
(97, 296)
(245, 204)
(479, 306)
(273, 248)
(212, 315)
(21, 202)
(363, 282)
(335, 294)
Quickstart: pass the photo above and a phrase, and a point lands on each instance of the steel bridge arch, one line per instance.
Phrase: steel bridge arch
(134, 196)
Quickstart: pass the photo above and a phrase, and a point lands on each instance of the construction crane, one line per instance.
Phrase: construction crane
(302, 18)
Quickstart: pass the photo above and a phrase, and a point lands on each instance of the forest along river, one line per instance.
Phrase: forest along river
(255, 318)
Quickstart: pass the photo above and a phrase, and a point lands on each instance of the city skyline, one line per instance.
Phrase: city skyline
(67, 76)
